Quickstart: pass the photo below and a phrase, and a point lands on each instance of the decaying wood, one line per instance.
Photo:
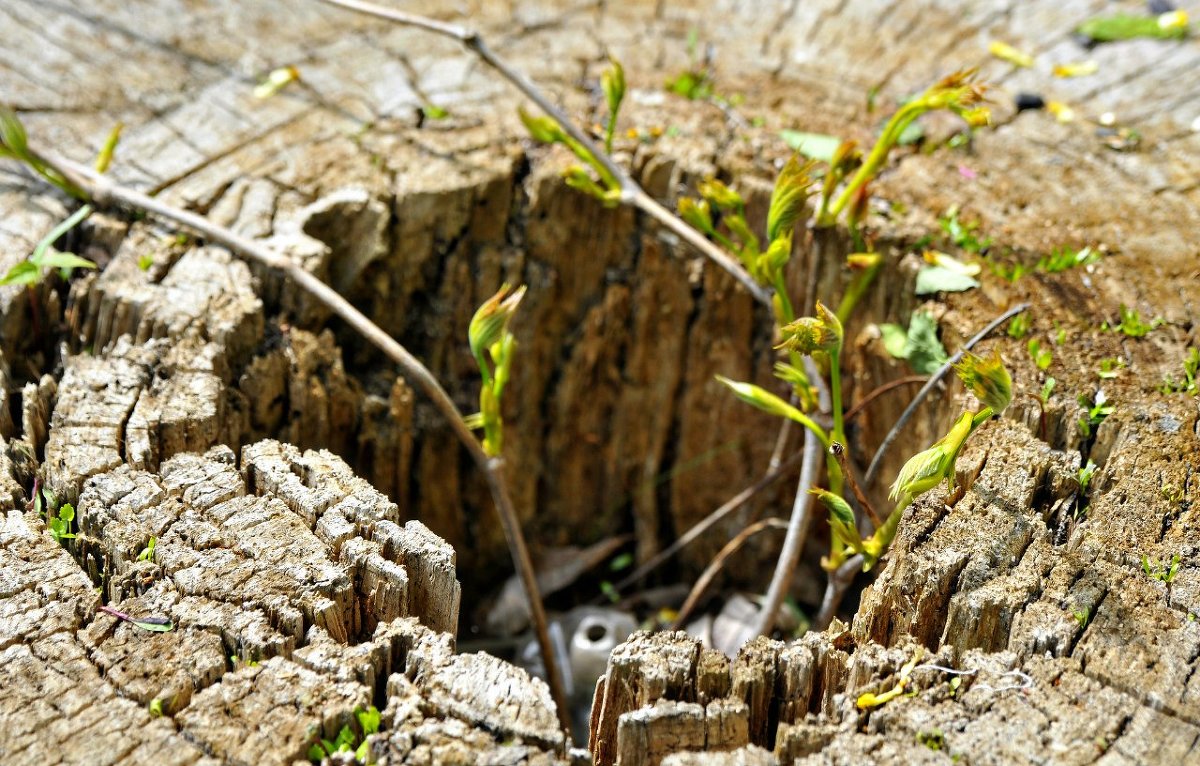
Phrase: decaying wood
(417, 220)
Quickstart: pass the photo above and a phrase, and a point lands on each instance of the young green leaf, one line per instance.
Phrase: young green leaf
(1171, 25)
(987, 378)
(815, 146)
(923, 350)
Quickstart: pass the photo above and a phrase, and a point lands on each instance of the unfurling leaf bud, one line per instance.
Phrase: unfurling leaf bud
(809, 334)
(787, 199)
(987, 379)
(862, 261)
(490, 322)
(925, 470)
(761, 398)
(697, 213)
(841, 518)
(542, 129)
(613, 84)
(720, 195)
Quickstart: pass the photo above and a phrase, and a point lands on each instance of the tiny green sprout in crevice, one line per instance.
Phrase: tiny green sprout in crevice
(236, 662)
(1063, 258)
(1190, 383)
(1170, 25)
(1164, 572)
(62, 522)
(903, 679)
(1110, 367)
(933, 739)
(1082, 616)
(1095, 411)
(1084, 479)
(33, 270)
(545, 130)
(1060, 334)
(155, 708)
(147, 553)
(492, 345)
(350, 739)
(1042, 357)
(1172, 493)
(964, 235)
(275, 81)
(1132, 324)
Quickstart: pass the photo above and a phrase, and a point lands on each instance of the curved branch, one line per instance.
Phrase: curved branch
(631, 192)
(718, 561)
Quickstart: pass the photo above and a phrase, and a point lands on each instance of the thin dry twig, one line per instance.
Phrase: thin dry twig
(934, 379)
(631, 192)
(104, 192)
(839, 453)
(860, 405)
(718, 561)
(733, 504)
(835, 589)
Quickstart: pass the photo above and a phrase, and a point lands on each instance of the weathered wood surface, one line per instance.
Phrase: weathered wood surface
(418, 220)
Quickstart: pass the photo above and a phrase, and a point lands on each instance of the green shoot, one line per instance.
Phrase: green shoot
(1064, 258)
(276, 81)
(492, 345)
(14, 144)
(1095, 411)
(33, 270)
(1110, 367)
(349, 740)
(919, 344)
(904, 678)
(1082, 616)
(547, 131)
(1047, 390)
(1191, 371)
(105, 157)
(1042, 357)
(1172, 25)
(60, 525)
(1131, 323)
(612, 82)
(963, 235)
(147, 553)
(933, 739)
(957, 92)
(155, 708)
(1019, 326)
(1085, 481)
(1164, 573)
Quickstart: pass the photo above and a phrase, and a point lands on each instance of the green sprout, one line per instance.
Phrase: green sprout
(33, 270)
(1191, 376)
(1042, 357)
(904, 678)
(1085, 480)
(958, 93)
(1110, 367)
(547, 131)
(155, 708)
(60, 524)
(1131, 323)
(1064, 258)
(918, 344)
(1172, 25)
(964, 235)
(1082, 616)
(933, 739)
(1047, 390)
(1095, 411)
(1019, 327)
(612, 82)
(1164, 572)
(349, 740)
(14, 144)
(147, 553)
(492, 345)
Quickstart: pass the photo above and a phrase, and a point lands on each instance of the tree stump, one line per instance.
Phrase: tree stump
(306, 505)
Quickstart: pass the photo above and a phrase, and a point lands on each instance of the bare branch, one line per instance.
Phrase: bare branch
(718, 561)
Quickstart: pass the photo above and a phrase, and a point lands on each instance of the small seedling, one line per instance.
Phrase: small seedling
(349, 740)
(155, 708)
(60, 525)
(933, 739)
(276, 81)
(147, 553)
(14, 144)
(1171, 493)
(1164, 573)
(1110, 367)
(963, 235)
(1064, 258)
(1082, 616)
(1047, 390)
(1060, 335)
(1042, 357)
(1019, 326)
(1096, 411)
(612, 82)
(1131, 323)
(1166, 26)
(918, 344)
(33, 270)
(869, 700)
(1191, 376)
